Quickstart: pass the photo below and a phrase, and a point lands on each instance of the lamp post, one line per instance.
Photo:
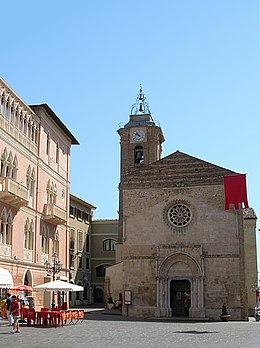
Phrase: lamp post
(54, 267)
(256, 288)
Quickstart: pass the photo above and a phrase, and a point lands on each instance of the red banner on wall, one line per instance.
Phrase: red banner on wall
(235, 190)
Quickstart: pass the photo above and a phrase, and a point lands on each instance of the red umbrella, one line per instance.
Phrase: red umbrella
(21, 288)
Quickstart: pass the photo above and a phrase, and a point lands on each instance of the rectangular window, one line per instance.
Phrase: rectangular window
(80, 240)
(72, 212)
(86, 217)
(79, 214)
(80, 261)
(48, 144)
(87, 263)
(71, 261)
(72, 239)
(57, 153)
(87, 243)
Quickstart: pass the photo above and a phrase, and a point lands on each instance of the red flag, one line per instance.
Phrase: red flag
(235, 190)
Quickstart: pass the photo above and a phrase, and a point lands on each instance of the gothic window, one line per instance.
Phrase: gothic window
(25, 125)
(55, 244)
(7, 109)
(9, 165)
(2, 104)
(12, 113)
(45, 240)
(21, 120)
(51, 193)
(109, 245)
(30, 180)
(16, 117)
(28, 235)
(6, 227)
(139, 154)
(4, 162)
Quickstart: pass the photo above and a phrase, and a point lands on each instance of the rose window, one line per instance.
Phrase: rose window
(179, 215)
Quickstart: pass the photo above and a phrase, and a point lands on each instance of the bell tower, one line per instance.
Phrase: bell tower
(141, 144)
(140, 138)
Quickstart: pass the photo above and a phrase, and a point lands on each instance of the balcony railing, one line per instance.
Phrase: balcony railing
(13, 193)
(54, 214)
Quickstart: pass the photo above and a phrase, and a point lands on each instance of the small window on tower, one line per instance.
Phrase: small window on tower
(139, 154)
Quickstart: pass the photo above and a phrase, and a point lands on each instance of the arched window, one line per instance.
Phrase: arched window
(51, 193)
(101, 270)
(14, 168)
(45, 240)
(109, 245)
(6, 227)
(55, 244)
(4, 163)
(28, 235)
(7, 109)
(12, 113)
(139, 154)
(2, 104)
(30, 181)
(9, 165)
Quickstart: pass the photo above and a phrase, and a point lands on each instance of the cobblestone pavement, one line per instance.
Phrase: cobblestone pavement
(103, 330)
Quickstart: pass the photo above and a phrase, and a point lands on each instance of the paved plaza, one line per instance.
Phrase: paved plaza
(103, 330)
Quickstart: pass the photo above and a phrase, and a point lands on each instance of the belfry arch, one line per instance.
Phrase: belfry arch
(180, 266)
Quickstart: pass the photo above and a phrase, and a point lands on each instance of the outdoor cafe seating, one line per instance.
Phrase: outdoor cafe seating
(53, 317)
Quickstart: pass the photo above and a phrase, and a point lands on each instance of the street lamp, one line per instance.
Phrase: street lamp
(54, 267)
(256, 288)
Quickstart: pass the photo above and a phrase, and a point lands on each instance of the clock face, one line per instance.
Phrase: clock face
(138, 136)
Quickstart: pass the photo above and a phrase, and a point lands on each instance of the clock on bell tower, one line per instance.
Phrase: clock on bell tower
(140, 138)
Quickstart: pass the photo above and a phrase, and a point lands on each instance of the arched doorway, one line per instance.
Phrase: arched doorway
(27, 278)
(180, 275)
(98, 295)
(179, 297)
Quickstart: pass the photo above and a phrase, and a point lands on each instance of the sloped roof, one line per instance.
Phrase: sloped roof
(176, 170)
(56, 119)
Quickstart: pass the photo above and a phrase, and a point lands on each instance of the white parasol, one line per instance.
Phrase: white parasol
(58, 285)
(6, 279)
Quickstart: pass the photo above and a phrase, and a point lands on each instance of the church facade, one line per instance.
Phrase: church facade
(176, 241)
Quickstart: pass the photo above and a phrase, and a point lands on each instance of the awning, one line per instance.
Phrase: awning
(6, 279)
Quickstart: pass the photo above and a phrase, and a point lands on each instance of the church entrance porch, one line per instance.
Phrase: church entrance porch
(179, 282)
(180, 297)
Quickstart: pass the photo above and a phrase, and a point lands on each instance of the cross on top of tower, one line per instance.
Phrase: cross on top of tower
(140, 106)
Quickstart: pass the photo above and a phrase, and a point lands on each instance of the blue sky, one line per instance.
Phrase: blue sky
(198, 62)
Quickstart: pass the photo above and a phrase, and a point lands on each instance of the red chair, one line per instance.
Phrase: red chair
(64, 306)
(31, 315)
(44, 309)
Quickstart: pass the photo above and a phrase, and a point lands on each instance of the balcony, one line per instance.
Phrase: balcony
(13, 193)
(54, 214)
